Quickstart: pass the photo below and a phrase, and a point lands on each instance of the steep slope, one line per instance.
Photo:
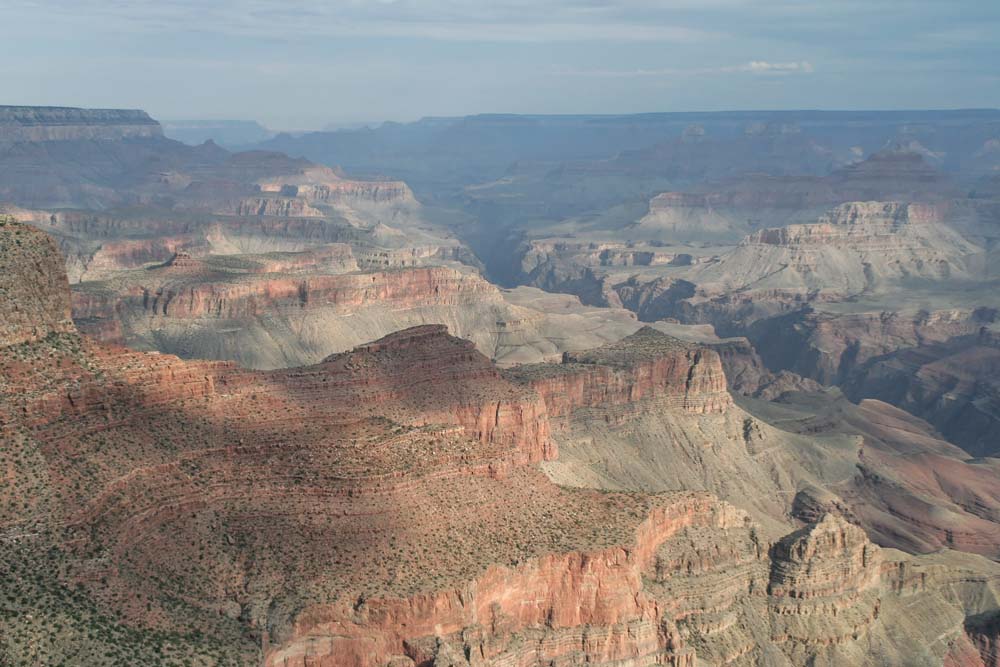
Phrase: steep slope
(31, 286)
(938, 365)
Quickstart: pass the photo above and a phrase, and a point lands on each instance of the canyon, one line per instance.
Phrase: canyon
(667, 389)
(386, 506)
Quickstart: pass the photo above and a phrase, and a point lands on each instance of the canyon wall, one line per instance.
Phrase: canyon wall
(829, 346)
(951, 383)
(275, 319)
(646, 364)
(32, 124)
(269, 294)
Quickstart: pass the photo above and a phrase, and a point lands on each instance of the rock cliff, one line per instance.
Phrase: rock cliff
(645, 365)
(285, 309)
(20, 124)
(951, 383)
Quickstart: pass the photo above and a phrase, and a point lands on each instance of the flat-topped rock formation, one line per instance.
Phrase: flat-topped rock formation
(99, 158)
(18, 124)
(303, 193)
(754, 199)
(900, 171)
(689, 216)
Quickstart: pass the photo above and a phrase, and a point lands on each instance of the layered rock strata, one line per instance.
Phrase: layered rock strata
(857, 250)
(857, 247)
(283, 309)
(952, 384)
(646, 364)
(33, 124)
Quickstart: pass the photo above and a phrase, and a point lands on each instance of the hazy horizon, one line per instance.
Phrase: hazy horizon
(306, 64)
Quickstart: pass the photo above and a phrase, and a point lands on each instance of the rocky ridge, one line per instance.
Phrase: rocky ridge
(287, 309)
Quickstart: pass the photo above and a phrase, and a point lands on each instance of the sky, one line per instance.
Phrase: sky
(306, 64)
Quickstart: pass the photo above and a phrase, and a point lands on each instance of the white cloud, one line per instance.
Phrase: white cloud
(753, 67)
(765, 67)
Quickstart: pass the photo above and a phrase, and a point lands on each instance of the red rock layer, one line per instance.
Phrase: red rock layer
(192, 296)
(133, 253)
(647, 364)
(581, 606)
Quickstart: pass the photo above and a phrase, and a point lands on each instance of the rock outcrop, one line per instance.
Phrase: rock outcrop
(324, 185)
(689, 217)
(647, 364)
(34, 296)
(283, 207)
(271, 294)
(747, 374)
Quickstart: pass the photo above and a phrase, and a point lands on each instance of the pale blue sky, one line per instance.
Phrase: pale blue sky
(304, 63)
